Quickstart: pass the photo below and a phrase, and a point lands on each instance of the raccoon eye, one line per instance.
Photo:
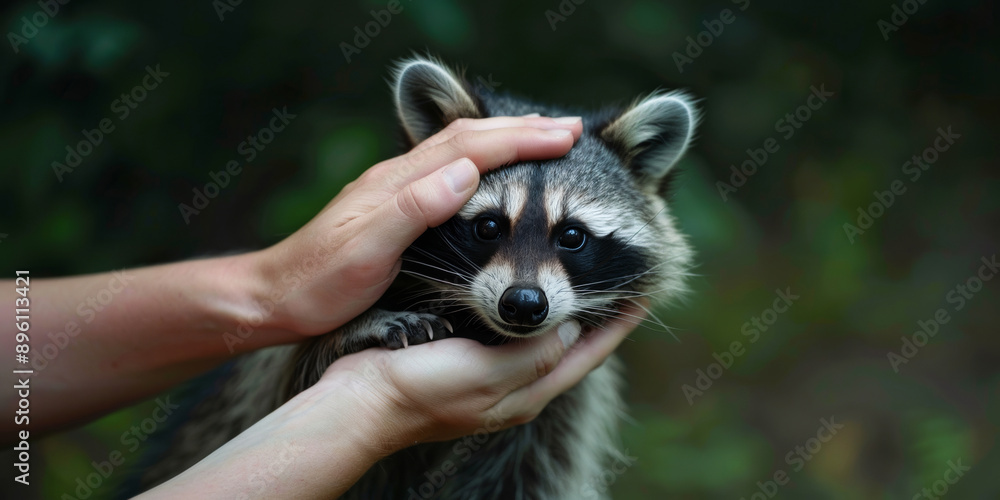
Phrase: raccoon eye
(572, 239)
(487, 229)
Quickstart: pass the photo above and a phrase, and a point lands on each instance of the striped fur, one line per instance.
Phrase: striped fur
(608, 187)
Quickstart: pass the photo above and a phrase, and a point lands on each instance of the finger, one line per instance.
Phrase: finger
(427, 202)
(572, 123)
(488, 149)
(587, 354)
(519, 363)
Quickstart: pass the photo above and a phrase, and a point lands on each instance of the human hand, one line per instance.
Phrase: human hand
(373, 403)
(343, 260)
(455, 387)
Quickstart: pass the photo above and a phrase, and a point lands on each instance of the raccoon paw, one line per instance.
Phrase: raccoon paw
(404, 329)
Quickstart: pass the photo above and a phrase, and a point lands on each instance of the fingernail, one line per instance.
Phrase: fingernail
(461, 175)
(558, 132)
(531, 115)
(568, 120)
(569, 332)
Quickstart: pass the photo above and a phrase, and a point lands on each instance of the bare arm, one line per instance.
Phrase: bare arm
(115, 340)
(373, 403)
(101, 341)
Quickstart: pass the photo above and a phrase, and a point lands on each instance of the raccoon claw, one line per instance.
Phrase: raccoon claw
(408, 328)
(395, 338)
(447, 324)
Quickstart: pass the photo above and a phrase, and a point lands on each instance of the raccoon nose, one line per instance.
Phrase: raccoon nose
(524, 306)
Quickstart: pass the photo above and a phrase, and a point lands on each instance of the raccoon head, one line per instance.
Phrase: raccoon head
(545, 242)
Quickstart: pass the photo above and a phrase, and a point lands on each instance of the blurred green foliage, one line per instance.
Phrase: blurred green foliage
(784, 228)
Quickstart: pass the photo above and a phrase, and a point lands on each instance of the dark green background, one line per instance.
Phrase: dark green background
(825, 357)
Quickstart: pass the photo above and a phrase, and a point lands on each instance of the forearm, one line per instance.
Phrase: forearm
(315, 446)
(101, 341)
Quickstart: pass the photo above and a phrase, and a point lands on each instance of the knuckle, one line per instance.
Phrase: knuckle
(545, 363)
(361, 268)
(351, 186)
(365, 273)
(460, 124)
(525, 417)
(462, 141)
(374, 175)
(409, 204)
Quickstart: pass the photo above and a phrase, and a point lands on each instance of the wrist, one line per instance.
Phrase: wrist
(381, 425)
(279, 288)
(250, 312)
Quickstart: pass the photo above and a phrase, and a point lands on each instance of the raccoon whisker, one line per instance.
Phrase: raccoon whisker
(655, 317)
(608, 313)
(455, 303)
(431, 278)
(415, 303)
(461, 254)
(629, 240)
(467, 323)
(624, 293)
(457, 296)
(439, 263)
(414, 296)
(432, 255)
(458, 309)
(452, 270)
(614, 313)
(634, 276)
(651, 219)
(455, 250)
(592, 283)
(631, 279)
(628, 318)
(450, 285)
(451, 302)
(445, 266)
(610, 291)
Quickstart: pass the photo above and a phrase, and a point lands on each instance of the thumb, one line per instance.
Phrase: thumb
(424, 203)
(518, 364)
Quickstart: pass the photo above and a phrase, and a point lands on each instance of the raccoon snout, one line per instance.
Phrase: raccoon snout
(524, 306)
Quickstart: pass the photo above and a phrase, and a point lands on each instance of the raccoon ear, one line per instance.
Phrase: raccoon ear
(429, 96)
(653, 133)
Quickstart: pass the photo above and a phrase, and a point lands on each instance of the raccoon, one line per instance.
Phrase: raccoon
(540, 244)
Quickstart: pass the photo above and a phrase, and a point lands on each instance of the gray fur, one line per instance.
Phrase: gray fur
(609, 185)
